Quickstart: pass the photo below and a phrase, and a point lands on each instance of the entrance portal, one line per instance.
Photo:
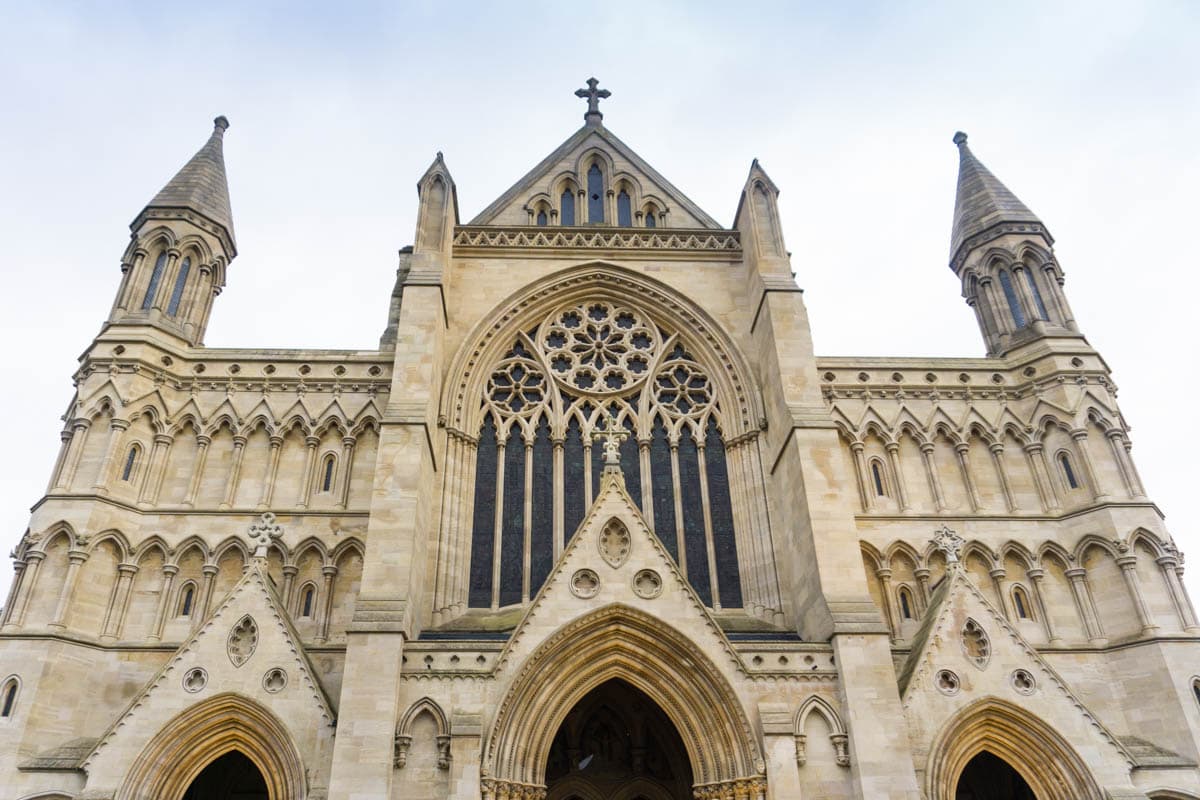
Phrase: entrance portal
(987, 777)
(617, 743)
(230, 777)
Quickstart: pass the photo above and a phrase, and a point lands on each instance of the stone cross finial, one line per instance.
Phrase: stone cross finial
(263, 532)
(612, 434)
(949, 543)
(594, 96)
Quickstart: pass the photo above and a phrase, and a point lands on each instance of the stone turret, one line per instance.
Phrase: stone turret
(1004, 256)
(181, 243)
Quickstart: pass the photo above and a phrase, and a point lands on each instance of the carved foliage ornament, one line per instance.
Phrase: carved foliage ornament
(243, 640)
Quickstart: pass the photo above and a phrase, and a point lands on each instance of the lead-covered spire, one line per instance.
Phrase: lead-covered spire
(984, 208)
(199, 187)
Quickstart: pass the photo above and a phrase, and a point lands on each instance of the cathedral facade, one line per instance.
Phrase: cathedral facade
(593, 521)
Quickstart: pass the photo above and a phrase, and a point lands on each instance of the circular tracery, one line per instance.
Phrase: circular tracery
(599, 347)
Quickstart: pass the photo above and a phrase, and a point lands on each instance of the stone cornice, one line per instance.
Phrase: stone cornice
(552, 240)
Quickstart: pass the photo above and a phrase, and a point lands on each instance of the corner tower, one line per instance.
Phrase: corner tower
(1004, 256)
(181, 243)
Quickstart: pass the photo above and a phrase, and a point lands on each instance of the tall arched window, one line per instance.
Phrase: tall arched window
(1021, 603)
(595, 194)
(187, 599)
(877, 478)
(8, 698)
(1064, 461)
(624, 210)
(1014, 306)
(155, 278)
(308, 596)
(536, 468)
(1037, 294)
(130, 464)
(177, 289)
(327, 469)
(566, 213)
(906, 603)
(1196, 688)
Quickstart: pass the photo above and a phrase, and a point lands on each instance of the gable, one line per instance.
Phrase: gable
(566, 169)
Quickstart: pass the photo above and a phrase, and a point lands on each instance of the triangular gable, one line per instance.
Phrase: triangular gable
(301, 701)
(938, 646)
(619, 581)
(509, 208)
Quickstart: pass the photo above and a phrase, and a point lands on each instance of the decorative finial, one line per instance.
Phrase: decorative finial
(220, 125)
(960, 138)
(612, 434)
(949, 543)
(263, 532)
(593, 95)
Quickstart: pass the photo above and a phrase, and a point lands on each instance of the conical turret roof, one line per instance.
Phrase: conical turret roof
(984, 205)
(201, 185)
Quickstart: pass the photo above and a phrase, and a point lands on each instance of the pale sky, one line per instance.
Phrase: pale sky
(1089, 112)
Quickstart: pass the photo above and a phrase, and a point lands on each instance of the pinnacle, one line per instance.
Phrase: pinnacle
(201, 185)
(982, 202)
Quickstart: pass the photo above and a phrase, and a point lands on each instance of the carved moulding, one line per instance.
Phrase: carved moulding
(243, 640)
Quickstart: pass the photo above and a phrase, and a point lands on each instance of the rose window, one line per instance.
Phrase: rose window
(517, 387)
(682, 389)
(599, 347)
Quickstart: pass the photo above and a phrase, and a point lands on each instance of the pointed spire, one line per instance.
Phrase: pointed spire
(983, 204)
(201, 186)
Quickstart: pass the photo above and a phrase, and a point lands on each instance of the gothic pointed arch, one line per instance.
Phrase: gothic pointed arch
(1042, 757)
(203, 733)
(620, 642)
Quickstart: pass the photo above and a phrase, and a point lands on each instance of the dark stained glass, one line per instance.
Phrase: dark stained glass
(1011, 296)
(1037, 295)
(130, 461)
(542, 531)
(177, 290)
(651, 222)
(595, 194)
(483, 524)
(662, 488)
(631, 464)
(541, 218)
(729, 582)
(624, 210)
(10, 696)
(155, 279)
(572, 479)
(693, 517)
(567, 211)
(512, 531)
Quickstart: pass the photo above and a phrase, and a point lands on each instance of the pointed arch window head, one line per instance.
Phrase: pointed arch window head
(8, 698)
(1068, 471)
(130, 464)
(566, 212)
(177, 290)
(308, 596)
(1196, 688)
(1010, 295)
(327, 470)
(1021, 603)
(624, 210)
(156, 275)
(541, 218)
(906, 603)
(187, 599)
(877, 478)
(595, 194)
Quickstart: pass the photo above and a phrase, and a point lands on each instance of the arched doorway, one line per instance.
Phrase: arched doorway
(230, 777)
(988, 777)
(617, 743)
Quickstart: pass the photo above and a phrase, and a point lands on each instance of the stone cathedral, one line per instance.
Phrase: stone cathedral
(593, 522)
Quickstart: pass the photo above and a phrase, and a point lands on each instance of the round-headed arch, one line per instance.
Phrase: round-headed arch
(203, 733)
(1051, 767)
(619, 642)
(494, 334)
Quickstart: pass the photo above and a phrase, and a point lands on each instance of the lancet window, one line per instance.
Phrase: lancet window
(537, 471)
(155, 278)
(1010, 295)
(177, 289)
